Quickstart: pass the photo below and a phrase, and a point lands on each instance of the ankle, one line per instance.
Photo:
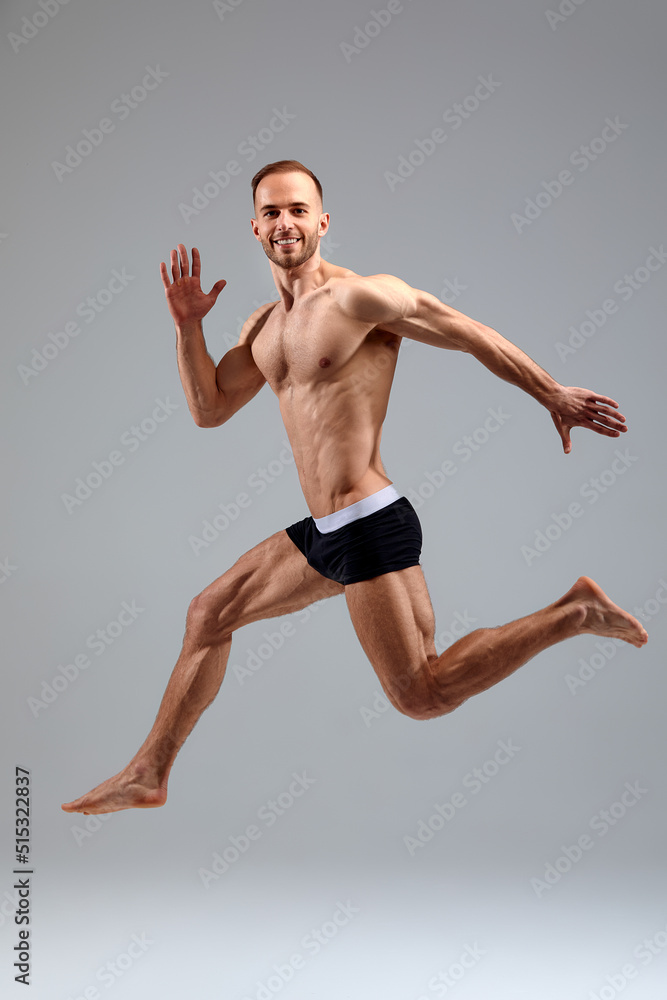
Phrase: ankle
(146, 771)
(574, 613)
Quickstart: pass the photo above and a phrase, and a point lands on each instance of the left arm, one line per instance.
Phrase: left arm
(408, 312)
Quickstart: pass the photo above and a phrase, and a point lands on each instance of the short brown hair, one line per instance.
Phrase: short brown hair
(283, 167)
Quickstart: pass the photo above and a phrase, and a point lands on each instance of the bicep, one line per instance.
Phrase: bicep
(430, 321)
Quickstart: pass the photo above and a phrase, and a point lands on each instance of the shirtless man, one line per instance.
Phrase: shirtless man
(328, 349)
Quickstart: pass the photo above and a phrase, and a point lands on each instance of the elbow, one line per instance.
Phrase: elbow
(208, 419)
(212, 416)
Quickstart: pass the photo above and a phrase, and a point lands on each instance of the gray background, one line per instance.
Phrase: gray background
(376, 777)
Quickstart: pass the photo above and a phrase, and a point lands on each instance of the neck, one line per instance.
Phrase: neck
(295, 282)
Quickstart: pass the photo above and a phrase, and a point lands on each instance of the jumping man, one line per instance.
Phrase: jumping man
(315, 346)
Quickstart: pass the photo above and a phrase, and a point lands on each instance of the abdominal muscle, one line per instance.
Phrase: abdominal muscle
(335, 439)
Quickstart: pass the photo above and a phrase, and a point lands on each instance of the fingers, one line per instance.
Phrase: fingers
(602, 416)
(185, 263)
(616, 421)
(616, 429)
(601, 425)
(180, 268)
(606, 400)
(607, 412)
(180, 265)
(607, 430)
(217, 288)
(175, 269)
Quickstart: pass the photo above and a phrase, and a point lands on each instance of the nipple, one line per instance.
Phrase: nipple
(325, 362)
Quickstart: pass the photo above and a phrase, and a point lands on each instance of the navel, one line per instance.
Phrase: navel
(325, 362)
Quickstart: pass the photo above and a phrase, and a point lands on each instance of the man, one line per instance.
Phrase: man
(328, 348)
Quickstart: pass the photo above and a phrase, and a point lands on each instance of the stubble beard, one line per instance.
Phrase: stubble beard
(281, 259)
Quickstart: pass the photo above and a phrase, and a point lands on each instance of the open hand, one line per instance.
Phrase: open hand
(575, 407)
(185, 298)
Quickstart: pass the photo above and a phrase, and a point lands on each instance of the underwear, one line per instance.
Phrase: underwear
(378, 534)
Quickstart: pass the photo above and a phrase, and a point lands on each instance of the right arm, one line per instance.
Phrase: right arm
(213, 393)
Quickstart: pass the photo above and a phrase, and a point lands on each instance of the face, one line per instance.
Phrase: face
(289, 219)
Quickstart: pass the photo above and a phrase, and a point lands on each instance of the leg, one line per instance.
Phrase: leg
(393, 618)
(271, 579)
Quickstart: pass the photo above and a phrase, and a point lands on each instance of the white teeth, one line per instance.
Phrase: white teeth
(283, 242)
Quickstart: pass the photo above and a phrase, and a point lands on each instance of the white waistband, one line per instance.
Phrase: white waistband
(376, 501)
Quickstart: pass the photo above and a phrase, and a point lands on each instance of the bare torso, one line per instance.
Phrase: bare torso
(332, 375)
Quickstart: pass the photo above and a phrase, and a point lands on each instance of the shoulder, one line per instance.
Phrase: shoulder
(256, 321)
(374, 297)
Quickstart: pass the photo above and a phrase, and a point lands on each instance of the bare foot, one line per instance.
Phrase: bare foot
(602, 616)
(133, 788)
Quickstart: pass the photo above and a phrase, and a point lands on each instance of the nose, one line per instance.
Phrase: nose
(283, 222)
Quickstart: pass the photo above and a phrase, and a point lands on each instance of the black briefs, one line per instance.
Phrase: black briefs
(368, 545)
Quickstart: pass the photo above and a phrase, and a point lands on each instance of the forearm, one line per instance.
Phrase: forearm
(508, 362)
(198, 373)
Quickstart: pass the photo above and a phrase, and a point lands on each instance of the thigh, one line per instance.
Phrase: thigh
(271, 579)
(393, 618)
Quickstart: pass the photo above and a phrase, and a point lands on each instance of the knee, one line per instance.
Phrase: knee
(421, 698)
(427, 709)
(205, 622)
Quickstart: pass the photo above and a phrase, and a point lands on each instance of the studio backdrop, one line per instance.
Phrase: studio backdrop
(508, 158)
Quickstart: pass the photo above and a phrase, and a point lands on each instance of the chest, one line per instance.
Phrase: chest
(311, 341)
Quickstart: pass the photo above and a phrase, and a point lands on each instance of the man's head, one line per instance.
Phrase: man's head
(288, 207)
